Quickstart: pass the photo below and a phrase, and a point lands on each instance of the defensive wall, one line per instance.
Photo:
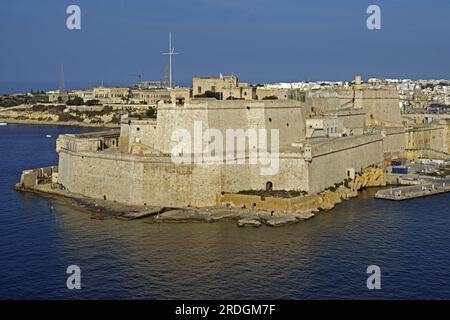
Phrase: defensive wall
(156, 180)
(381, 105)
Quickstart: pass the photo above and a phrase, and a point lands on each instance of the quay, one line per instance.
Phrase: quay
(411, 192)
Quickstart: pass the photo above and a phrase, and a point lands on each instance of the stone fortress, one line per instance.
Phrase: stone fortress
(325, 137)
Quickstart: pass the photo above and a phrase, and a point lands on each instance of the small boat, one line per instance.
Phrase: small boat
(3, 124)
(48, 135)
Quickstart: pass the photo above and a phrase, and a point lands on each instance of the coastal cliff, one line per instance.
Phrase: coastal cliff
(371, 177)
(61, 115)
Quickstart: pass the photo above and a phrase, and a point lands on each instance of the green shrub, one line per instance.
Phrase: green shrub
(151, 113)
(69, 117)
(77, 101)
(209, 94)
(93, 102)
(270, 98)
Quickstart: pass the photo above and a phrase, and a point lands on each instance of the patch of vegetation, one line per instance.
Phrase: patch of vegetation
(7, 101)
(270, 98)
(347, 182)
(69, 117)
(274, 193)
(209, 94)
(93, 102)
(234, 98)
(107, 109)
(77, 101)
(339, 184)
(116, 118)
(56, 109)
(151, 113)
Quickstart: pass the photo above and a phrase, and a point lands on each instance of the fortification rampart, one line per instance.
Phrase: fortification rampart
(156, 180)
(333, 161)
(31, 178)
(285, 116)
(431, 137)
(93, 141)
(381, 105)
(394, 142)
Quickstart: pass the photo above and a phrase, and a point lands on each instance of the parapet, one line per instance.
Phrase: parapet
(93, 141)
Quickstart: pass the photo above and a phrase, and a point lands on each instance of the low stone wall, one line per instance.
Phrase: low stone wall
(88, 141)
(308, 203)
(326, 200)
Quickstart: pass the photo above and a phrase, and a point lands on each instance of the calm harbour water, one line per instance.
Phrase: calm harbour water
(325, 257)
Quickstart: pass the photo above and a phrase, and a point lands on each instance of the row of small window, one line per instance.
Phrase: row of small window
(331, 130)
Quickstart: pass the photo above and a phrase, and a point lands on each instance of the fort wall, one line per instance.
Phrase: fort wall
(286, 116)
(394, 142)
(381, 105)
(156, 180)
(426, 137)
(332, 160)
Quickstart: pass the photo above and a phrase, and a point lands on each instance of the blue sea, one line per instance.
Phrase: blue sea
(322, 258)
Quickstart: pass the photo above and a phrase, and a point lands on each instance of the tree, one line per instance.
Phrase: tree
(209, 94)
(92, 102)
(151, 113)
(270, 98)
(77, 101)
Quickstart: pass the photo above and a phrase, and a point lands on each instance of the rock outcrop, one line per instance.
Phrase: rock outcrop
(243, 217)
(249, 223)
(281, 221)
(371, 177)
(59, 114)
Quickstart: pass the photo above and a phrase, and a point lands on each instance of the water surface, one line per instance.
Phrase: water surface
(325, 257)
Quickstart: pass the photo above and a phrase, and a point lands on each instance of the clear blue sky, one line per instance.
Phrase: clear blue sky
(258, 40)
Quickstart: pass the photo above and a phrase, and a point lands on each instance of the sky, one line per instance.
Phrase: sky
(257, 40)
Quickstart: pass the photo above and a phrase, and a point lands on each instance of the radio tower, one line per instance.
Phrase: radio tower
(61, 79)
(170, 54)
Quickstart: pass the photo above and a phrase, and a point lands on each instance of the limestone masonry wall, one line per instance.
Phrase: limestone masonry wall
(330, 161)
(381, 105)
(156, 180)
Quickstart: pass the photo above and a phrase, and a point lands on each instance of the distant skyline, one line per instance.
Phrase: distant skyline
(257, 40)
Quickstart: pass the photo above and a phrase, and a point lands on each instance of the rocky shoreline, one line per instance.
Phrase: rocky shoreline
(326, 200)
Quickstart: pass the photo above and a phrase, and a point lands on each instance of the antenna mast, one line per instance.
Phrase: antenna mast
(170, 54)
(61, 79)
